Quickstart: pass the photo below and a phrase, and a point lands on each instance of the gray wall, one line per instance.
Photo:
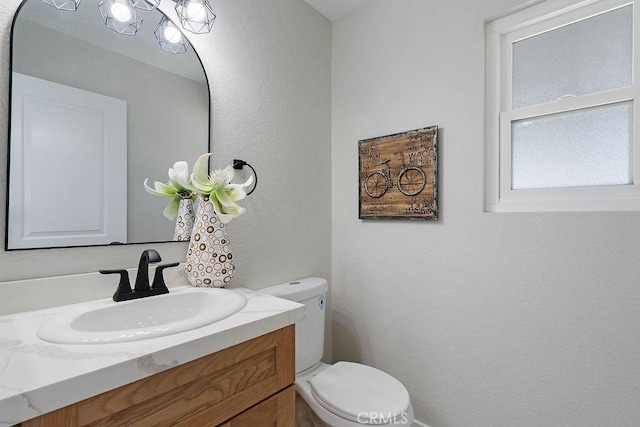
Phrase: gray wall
(166, 113)
(269, 64)
(489, 319)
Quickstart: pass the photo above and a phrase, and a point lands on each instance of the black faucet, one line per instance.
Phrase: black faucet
(141, 288)
(149, 256)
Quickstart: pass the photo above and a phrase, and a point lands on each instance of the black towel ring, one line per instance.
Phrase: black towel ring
(239, 164)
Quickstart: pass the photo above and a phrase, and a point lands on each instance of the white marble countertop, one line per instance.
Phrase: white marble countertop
(37, 377)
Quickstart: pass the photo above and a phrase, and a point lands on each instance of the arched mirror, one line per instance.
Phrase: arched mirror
(94, 113)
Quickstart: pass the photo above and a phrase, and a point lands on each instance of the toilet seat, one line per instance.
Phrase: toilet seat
(360, 393)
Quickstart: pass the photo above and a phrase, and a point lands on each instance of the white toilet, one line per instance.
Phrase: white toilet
(344, 394)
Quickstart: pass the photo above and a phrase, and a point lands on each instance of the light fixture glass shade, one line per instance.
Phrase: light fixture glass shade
(170, 37)
(195, 15)
(145, 4)
(69, 5)
(120, 16)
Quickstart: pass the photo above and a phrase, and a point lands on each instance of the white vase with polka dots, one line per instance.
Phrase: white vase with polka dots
(184, 221)
(209, 258)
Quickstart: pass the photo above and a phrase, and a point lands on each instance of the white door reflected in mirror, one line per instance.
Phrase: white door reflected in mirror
(68, 174)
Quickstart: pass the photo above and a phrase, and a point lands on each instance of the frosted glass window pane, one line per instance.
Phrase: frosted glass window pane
(588, 56)
(588, 147)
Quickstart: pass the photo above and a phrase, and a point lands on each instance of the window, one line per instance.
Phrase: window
(561, 108)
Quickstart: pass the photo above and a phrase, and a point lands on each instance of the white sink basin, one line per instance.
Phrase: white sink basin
(106, 321)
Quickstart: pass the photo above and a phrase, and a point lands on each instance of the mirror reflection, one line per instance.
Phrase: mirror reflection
(94, 113)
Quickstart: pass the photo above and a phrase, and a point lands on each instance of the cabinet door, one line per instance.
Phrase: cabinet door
(278, 410)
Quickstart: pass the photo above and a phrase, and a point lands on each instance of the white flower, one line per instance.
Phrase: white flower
(222, 194)
(177, 188)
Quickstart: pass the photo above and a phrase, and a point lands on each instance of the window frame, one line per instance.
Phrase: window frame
(500, 34)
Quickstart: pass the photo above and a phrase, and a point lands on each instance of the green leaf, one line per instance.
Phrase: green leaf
(171, 211)
(160, 189)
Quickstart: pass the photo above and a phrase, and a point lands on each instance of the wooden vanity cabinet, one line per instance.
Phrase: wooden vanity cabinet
(249, 384)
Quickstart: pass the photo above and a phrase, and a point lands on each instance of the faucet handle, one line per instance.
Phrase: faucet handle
(124, 287)
(158, 279)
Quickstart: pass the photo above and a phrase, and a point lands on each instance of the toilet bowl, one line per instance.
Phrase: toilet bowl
(344, 394)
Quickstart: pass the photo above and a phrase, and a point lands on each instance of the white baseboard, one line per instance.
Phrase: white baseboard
(418, 424)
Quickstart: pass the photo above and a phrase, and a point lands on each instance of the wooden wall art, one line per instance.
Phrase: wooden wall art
(399, 175)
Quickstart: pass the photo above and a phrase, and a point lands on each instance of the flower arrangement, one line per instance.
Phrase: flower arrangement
(177, 188)
(216, 187)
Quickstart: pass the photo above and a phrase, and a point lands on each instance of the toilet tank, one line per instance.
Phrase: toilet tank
(309, 331)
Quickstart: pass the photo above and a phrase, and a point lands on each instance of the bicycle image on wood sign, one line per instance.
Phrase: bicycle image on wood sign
(398, 175)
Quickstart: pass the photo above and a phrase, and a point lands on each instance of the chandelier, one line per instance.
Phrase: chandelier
(124, 17)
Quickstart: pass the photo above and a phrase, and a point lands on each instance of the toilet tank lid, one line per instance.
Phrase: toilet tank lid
(298, 290)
